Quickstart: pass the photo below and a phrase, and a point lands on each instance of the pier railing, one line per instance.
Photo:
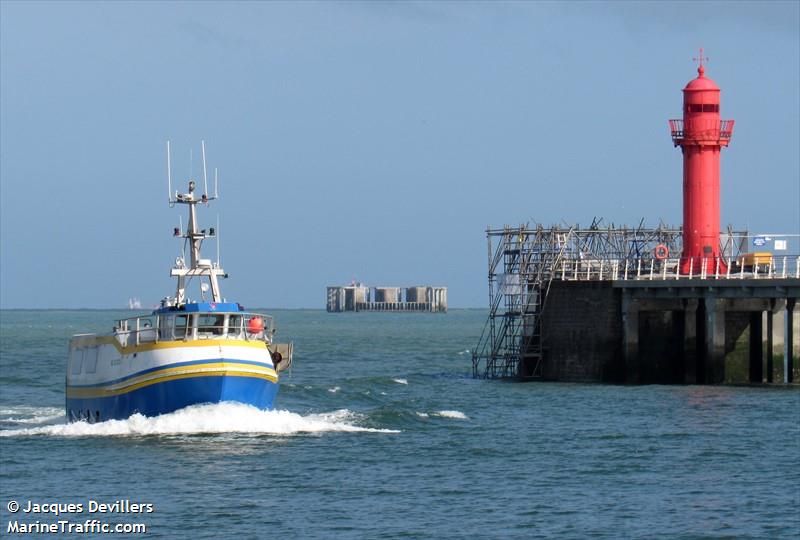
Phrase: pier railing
(684, 268)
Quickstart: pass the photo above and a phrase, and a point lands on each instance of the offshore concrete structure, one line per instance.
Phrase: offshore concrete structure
(359, 297)
(637, 305)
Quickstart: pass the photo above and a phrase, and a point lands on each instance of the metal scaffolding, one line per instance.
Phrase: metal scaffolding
(524, 260)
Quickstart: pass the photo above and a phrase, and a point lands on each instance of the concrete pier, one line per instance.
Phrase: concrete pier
(690, 343)
(789, 341)
(694, 332)
(624, 305)
(714, 316)
(756, 349)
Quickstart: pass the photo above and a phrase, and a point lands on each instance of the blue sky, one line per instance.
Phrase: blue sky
(367, 140)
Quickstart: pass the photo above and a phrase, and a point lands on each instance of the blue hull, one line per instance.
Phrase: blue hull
(169, 396)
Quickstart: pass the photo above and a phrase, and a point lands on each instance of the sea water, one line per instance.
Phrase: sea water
(380, 432)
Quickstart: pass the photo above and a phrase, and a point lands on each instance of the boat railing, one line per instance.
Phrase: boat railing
(183, 326)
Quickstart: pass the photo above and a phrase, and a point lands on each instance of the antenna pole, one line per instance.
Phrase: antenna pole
(169, 176)
(216, 184)
(183, 247)
(205, 177)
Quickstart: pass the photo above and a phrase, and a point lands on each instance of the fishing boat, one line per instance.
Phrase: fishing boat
(183, 353)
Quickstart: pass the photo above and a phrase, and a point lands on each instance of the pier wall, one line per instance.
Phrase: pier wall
(582, 332)
(604, 331)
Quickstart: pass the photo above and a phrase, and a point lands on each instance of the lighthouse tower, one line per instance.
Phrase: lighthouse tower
(701, 135)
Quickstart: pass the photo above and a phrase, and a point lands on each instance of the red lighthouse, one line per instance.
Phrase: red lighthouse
(701, 135)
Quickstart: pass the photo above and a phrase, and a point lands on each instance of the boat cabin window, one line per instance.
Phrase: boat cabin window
(197, 326)
(165, 327)
(210, 325)
(171, 327)
(75, 361)
(90, 360)
(181, 322)
(235, 328)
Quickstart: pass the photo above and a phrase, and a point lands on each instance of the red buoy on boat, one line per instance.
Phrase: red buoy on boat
(255, 325)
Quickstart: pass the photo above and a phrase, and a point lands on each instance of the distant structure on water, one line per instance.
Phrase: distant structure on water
(359, 297)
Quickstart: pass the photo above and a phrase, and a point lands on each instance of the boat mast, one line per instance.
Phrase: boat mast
(198, 266)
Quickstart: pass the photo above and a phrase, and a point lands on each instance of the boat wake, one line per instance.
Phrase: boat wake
(25, 415)
(197, 419)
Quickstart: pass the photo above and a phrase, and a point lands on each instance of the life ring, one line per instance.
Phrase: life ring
(661, 252)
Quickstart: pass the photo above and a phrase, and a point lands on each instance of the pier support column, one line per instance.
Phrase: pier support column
(788, 341)
(630, 337)
(770, 316)
(690, 341)
(756, 348)
(715, 340)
